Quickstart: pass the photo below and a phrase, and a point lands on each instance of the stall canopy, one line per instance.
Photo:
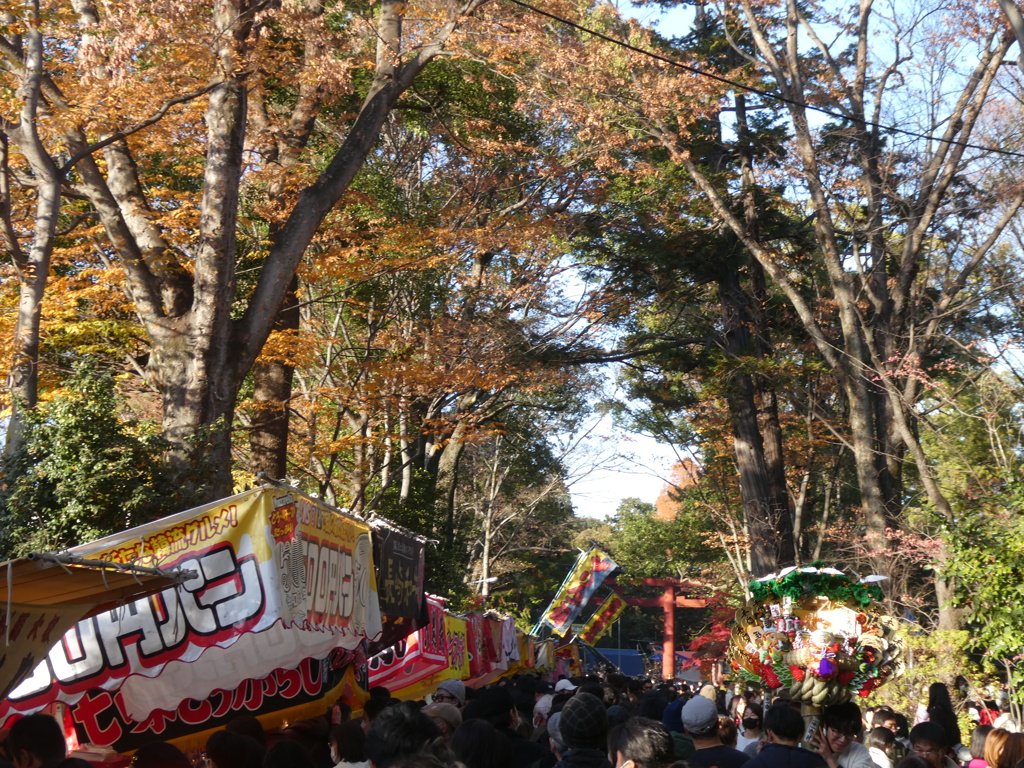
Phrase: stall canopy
(281, 585)
(44, 595)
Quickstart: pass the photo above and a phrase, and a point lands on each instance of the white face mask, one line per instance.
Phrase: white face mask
(334, 756)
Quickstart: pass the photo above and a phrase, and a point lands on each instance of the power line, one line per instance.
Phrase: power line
(760, 91)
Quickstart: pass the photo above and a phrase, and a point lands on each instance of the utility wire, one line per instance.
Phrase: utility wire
(760, 91)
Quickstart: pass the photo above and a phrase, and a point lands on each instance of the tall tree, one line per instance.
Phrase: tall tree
(238, 58)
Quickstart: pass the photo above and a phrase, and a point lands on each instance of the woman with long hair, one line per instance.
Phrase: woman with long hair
(1012, 751)
(994, 745)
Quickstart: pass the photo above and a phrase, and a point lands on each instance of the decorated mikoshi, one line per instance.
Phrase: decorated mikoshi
(818, 633)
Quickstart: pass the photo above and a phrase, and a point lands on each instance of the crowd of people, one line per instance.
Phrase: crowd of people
(618, 722)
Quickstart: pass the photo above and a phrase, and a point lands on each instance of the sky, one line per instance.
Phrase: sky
(640, 471)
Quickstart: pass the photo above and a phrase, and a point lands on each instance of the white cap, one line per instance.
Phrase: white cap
(564, 685)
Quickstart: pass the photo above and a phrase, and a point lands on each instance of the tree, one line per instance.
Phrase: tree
(888, 230)
(83, 471)
(862, 250)
(239, 57)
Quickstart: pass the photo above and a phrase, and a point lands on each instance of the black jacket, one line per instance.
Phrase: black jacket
(584, 758)
(774, 755)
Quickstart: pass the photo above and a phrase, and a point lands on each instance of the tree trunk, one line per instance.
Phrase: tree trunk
(272, 391)
(33, 267)
(769, 526)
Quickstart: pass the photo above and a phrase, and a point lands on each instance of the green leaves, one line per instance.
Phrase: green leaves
(84, 472)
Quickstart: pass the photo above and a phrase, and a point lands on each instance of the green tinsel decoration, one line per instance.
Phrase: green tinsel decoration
(800, 586)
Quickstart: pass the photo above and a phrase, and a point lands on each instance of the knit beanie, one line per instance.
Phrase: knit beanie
(584, 723)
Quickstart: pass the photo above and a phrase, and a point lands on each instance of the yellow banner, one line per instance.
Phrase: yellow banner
(603, 619)
(586, 576)
(458, 647)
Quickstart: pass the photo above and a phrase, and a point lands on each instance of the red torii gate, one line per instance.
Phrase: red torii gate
(668, 602)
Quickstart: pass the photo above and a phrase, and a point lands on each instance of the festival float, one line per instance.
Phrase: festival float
(816, 636)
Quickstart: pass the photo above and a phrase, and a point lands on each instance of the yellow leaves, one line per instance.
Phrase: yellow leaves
(294, 348)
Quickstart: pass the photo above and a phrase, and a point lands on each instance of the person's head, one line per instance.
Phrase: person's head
(994, 745)
(783, 724)
(841, 725)
(885, 717)
(288, 753)
(929, 741)
(400, 730)
(451, 692)
(347, 742)
(247, 725)
(479, 744)
(1012, 752)
(938, 696)
(373, 707)
(339, 712)
(617, 715)
(727, 730)
(640, 743)
(881, 738)
(231, 750)
(542, 709)
(978, 738)
(36, 740)
(555, 735)
(159, 754)
(584, 723)
(445, 716)
(497, 707)
(737, 706)
(752, 718)
(565, 686)
(902, 726)
(700, 718)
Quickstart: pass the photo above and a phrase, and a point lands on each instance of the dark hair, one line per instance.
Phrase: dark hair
(930, 732)
(39, 735)
(902, 726)
(784, 721)
(379, 692)
(913, 761)
(479, 744)
(880, 738)
(288, 753)
(496, 705)
(374, 706)
(158, 754)
(938, 696)
(1012, 752)
(978, 739)
(400, 730)
(652, 705)
(945, 717)
(350, 740)
(882, 714)
(247, 725)
(844, 718)
(231, 750)
(344, 709)
(646, 742)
